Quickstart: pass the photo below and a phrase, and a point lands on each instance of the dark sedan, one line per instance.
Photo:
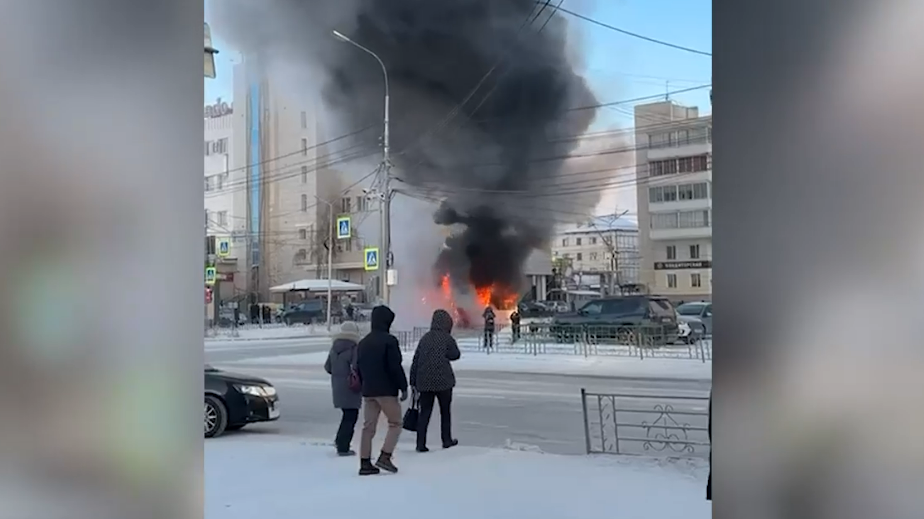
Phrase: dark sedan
(233, 401)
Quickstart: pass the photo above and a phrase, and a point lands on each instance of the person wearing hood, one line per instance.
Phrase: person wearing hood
(488, 327)
(341, 366)
(433, 379)
(383, 380)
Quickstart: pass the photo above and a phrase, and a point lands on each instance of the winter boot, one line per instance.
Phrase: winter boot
(366, 468)
(450, 443)
(384, 463)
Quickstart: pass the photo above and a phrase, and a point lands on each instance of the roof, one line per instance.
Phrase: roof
(609, 222)
(318, 285)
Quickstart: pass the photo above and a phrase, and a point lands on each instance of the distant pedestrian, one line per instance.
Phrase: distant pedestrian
(344, 378)
(515, 324)
(383, 379)
(488, 327)
(433, 379)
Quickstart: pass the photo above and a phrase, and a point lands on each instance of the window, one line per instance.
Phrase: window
(564, 242)
(671, 252)
(700, 191)
(577, 242)
(693, 219)
(220, 147)
(696, 281)
(593, 241)
(348, 244)
(593, 308)
(208, 184)
(304, 120)
(664, 220)
(305, 147)
(346, 204)
(303, 234)
(580, 256)
(672, 281)
(360, 204)
(301, 255)
(701, 163)
(304, 174)
(685, 192)
(208, 218)
(208, 148)
(594, 256)
(221, 218)
(304, 203)
(694, 251)
(219, 182)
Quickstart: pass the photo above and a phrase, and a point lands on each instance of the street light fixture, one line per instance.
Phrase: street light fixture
(386, 164)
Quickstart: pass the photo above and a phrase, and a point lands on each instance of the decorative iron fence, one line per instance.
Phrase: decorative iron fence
(675, 426)
(544, 339)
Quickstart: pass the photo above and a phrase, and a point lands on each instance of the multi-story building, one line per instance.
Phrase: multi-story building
(674, 187)
(603, 247)
(274, 179)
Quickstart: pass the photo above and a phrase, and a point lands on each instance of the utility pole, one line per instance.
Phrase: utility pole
(330, 258)
(611, 243)
(386, 194)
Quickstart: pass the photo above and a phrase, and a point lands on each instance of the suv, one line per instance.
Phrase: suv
(637, 319)
(305, 312)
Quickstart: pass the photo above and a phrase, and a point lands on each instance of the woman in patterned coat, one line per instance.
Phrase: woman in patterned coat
(433, 379)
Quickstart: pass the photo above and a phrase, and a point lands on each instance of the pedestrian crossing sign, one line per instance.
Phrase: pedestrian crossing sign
(343, 228)
(210, 275)
(224, 247)
(371, 255)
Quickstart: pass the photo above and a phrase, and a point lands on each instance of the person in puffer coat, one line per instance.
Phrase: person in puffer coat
(433, 379)
(341, 362)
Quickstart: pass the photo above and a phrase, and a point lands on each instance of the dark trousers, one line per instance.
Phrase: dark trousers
(488, 337)
(516, 332)
(345, 431)
(426, 410)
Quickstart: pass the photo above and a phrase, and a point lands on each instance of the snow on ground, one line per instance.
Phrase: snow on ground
(283, 478)
(545, 364)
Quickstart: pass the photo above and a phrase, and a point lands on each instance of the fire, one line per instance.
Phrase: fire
(501, 299)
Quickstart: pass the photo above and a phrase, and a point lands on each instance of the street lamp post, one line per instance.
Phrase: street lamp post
(386, 164)
(210, 53)
(330, 260)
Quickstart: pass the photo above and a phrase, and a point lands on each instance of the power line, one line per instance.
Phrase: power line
(633, 34)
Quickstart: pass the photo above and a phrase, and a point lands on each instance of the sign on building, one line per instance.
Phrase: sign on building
(343, 228)
(371, 258)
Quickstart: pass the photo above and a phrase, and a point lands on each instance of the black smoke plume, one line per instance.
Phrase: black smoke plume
(482, 98)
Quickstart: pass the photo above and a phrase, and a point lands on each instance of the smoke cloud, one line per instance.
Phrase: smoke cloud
(483, 97)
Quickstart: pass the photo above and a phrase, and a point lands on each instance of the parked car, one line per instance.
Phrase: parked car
(305, 312)
(637, 319)
(233, 401)
(698, 315)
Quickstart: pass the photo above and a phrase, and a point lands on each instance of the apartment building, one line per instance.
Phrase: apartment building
(272, 185)
(601, 247)
(674, 188)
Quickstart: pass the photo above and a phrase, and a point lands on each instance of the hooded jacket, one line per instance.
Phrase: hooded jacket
(379, 358)
(431, 371)
(342, 355)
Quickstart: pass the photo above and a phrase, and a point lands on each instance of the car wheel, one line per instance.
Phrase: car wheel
(216, 417)
(625, 336)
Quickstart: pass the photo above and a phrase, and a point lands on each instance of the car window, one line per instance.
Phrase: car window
(661, 307)
(593, 308)
(708, 311)
(624, 306)
(690, 309)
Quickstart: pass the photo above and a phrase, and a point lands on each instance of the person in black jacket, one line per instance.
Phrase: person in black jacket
(433, 379)
(379, 367)
(515, 324)
(488, 327)
(709, 483)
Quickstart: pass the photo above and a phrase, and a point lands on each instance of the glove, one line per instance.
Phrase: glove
(403, 396)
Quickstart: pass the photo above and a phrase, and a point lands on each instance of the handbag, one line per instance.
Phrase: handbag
(355, 383)
(412, 415)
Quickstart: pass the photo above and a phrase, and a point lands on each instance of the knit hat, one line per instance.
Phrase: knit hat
(349, 330)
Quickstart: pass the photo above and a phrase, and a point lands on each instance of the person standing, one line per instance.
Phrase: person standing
(488, 327)
(341, 366)
(383, 379)
(433, 379)
(515, 324)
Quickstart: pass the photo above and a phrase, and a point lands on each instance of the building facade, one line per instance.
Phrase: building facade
(601, 251)
(273, 182)
(674, 189)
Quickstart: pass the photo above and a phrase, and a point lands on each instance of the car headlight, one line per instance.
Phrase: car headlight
(256, 390)
(684, 327)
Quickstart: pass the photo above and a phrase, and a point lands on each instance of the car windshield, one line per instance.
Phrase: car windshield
(690, 309)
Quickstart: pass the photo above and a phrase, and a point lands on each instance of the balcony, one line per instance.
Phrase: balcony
(695, 147)
(680, 234)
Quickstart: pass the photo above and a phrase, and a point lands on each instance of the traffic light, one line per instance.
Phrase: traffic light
(208, 296)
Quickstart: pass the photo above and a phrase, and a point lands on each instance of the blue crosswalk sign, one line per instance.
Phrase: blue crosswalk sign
(343, 227)
(371, 255)
(224, 247)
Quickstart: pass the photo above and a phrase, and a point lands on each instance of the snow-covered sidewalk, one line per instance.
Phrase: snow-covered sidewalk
(249, 476)
(541, 364)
